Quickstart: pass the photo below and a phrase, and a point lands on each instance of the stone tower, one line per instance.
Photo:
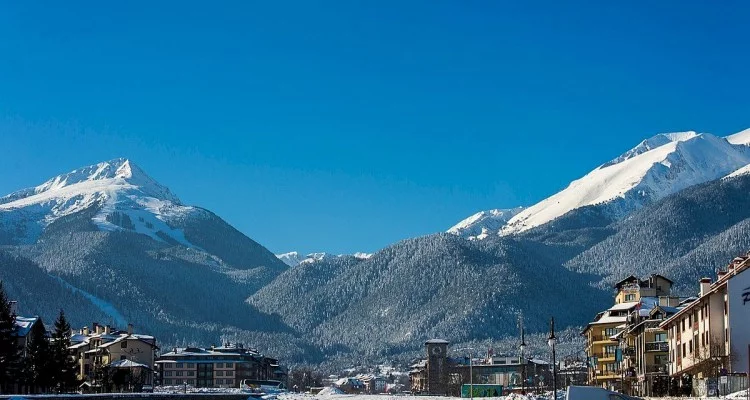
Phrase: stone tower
(437, 366)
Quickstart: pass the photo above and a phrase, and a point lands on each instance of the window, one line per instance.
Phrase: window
(230, 381)
(609, 367)
(190, 365)
(169, 373)
(169, 382)
(191, 381)
(660, 337)
(630, 297)
(221, 382)
(690, 319)
(191, 373)
(124, 344)
(219, 373)
(610, 332)
(684, 353)
(178, 365)
(179, 373)
(230, 365)
(230, 373)
(683, 325)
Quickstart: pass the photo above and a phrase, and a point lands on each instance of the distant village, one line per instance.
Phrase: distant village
(648, 343)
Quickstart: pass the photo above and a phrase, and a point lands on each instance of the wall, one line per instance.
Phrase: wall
(738, 291)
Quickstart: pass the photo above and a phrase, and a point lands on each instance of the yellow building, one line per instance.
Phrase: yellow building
(605, 334)
(101, 348)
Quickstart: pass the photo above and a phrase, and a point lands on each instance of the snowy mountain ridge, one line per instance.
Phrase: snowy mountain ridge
(657, 167)
(123, 195)
(484, 223)
(294, 258)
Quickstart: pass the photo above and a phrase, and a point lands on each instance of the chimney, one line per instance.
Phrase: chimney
(95, 328)
(107, 330)
(720, 274)
(130, 329)
(13, 306)
(85, 330)
(705, 285)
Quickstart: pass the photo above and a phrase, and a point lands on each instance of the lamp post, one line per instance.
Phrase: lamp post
(551, 341)
(471, 372)
(523, 360)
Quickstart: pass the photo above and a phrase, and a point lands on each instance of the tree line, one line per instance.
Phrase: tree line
(38, 362)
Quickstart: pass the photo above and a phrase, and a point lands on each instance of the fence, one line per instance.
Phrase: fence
(734, 383)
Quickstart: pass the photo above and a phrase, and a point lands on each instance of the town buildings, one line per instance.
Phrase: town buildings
(624, 344)
(227, 366)
(710, 336)
(106, 356)
(486, 376)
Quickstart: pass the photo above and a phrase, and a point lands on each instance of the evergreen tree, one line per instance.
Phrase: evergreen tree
(64, 367)
(37, 370)
(10, 352)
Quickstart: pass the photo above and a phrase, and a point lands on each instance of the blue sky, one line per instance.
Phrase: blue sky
(346, 126)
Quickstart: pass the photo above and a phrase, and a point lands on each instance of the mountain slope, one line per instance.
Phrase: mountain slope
(639, 177)
(484, 223)
(684, 236)
(132, 252)
(439, 285)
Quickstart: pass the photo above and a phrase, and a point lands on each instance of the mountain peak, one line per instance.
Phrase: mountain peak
(104, 176)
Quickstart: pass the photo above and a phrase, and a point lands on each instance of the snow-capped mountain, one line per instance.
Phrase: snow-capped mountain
(294, 258)
(123, 195)
(484, 223)
(657, 167)
(645, 174)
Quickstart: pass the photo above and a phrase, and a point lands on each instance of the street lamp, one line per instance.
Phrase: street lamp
(551, 341)
(523, 366)
(471, 372)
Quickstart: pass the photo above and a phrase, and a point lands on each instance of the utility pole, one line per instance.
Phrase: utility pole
(523, 358)
(551, 341)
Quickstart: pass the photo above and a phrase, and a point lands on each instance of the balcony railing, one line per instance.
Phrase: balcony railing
(656, 369)
(628, 351)
(599, 338)
(657, 346)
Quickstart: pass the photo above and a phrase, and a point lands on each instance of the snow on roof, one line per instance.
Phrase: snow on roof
(623, 306)
(436, 341)
(127, 364)
(24, 325)
(609, 320)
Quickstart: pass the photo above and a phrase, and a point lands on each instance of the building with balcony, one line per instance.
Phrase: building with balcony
(221, 367)
(101, 350)
(711, 335)
(611, 354)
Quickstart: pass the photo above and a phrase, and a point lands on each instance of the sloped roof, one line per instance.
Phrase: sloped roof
(127, 364)
(24, 325)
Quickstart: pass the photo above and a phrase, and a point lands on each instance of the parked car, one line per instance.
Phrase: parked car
(594, 393)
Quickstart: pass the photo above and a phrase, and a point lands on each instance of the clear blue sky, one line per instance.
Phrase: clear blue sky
(345, 126)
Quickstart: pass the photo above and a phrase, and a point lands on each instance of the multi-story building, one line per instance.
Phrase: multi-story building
(226, 366)
(102, 347)
(645, 349)
(711, 335)
(606, 342)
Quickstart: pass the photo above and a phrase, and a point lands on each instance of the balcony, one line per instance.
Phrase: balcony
(628, 352)
(601, 338)
(657, 346)
(656, 369)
